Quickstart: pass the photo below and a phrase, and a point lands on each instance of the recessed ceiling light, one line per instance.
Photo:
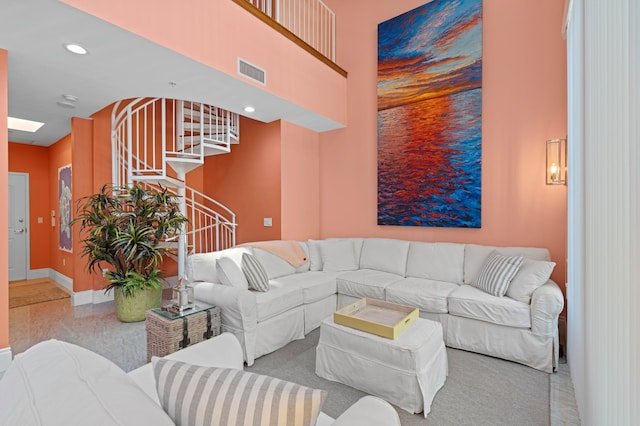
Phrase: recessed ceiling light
(65, 104)
(70, 98)
(249, 109)
(23, 125)
(75, 48)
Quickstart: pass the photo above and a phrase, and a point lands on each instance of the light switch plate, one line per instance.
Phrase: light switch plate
(268, 221)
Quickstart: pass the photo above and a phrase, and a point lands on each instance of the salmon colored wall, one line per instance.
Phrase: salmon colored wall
(226, 32)
(59, 156)
(300, 183)
(4, 198)
(101, 170)
(34, 160)
(524, 104)
(248, 180)
(81, 186)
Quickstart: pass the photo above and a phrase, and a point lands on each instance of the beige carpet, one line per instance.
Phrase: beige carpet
(23, 293)
(479, 390)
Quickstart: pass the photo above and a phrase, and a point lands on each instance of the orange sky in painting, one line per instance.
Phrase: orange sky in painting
(429, 52)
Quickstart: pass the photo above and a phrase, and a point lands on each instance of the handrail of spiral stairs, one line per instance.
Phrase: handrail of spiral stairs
(212, 224)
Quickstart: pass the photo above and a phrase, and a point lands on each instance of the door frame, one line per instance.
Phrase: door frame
(27, 219)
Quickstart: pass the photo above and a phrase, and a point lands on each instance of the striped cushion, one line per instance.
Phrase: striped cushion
(194, 395)
(496, 274)
(255, 273)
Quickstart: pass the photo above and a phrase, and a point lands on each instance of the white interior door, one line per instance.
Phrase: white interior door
(18, 230)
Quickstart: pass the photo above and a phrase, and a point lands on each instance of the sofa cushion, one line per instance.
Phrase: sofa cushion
(255, 273)
(230, 274)
(338, 255)
(274, 265)
(58, 384)
(365, 283)
(387, 255)
(198, 396)
(476, 255)
(426, 295)
(532, 274)
(316, 285)
(281, 297)
(202, 266)
(470, 302)
(496, 274)
(436, 261)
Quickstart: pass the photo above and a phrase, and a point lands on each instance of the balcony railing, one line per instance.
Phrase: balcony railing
(310, 20)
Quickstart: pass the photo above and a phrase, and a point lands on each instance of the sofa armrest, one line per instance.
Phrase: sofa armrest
(237, 312)
(369, 411)
(547, 302)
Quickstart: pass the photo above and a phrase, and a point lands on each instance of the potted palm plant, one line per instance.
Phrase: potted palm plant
(126, 228)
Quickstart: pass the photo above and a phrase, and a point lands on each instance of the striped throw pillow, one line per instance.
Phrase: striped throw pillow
(197, 396)
(255, 273)
(496, 274)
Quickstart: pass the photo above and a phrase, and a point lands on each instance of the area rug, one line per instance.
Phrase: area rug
(479, 390)
(29, 293)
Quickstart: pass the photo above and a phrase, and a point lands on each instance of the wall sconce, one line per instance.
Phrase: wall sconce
(556, 162)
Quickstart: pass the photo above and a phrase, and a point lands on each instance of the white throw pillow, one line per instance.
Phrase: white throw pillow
(532, 274)
(315, 257)
(255, 273)
(496, 274)
(198, 396)
(230, 274)
(202, 267)
(338, 255)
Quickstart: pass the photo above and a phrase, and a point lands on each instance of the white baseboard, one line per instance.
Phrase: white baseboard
(88, 296)
(100, 297)
(33, 274)
(82, 298)
(5, 358)
(61, 279)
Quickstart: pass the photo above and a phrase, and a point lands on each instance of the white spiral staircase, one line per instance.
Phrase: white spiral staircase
(157, 141)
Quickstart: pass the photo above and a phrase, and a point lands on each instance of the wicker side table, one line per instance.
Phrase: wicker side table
(168, 333)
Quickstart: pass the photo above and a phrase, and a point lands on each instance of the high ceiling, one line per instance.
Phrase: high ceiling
(119, 65)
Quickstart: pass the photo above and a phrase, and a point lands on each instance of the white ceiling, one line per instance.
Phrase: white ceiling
(120, 65)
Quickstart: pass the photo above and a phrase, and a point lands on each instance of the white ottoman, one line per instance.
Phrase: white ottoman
(406, 371)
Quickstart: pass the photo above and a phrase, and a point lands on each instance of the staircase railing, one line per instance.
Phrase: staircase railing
(210, 230)
(311, 20)
(140, 136)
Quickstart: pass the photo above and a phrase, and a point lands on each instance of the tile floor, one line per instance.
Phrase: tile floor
(97, 328)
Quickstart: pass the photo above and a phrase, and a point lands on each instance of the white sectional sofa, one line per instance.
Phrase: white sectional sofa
(438, 278)
(60, 384)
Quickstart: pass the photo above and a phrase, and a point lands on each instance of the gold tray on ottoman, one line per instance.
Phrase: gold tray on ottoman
(374, 316)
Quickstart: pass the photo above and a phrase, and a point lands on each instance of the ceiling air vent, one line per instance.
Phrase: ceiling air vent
(252, 72)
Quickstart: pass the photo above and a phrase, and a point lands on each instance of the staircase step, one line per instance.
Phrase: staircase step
(166, 181)
(194, 141)
(195, 127)
(183, 165)
(194, 115)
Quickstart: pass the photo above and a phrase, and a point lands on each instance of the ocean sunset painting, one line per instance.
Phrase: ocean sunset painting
(430, 116)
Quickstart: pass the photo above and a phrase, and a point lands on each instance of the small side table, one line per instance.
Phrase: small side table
(169, 331)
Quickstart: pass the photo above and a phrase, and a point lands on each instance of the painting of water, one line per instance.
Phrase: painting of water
(430, 116)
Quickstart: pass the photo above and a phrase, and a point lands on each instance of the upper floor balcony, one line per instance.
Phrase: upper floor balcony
(306, 22)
